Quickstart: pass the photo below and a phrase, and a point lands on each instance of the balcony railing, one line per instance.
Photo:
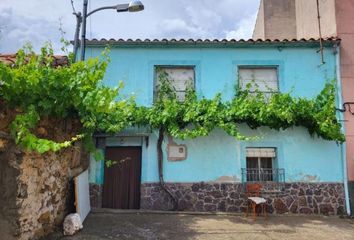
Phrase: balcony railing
(263, 175)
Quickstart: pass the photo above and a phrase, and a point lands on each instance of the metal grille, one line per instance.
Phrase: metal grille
(263, 175)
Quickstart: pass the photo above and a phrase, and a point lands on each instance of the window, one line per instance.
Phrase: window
(263, 79)
(180, 78)
(260, 165)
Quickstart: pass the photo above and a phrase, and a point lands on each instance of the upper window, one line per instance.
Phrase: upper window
(263, 79)
(180, 79)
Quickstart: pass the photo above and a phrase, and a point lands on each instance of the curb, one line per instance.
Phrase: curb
(142, 211)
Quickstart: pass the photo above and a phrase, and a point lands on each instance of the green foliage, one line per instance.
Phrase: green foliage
(39, 90)
(198, 117)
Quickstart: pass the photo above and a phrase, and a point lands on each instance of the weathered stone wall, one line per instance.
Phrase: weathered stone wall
(296, 198)
(35, 190)
(96, 195)
(8, 191)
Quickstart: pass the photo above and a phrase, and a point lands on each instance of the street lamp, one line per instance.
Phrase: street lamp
(133, 6)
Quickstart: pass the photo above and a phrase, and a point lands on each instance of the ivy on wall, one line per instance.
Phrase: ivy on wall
(37, 89)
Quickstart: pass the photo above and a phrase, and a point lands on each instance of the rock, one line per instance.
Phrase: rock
(326, 209)
(305, 211)
(289, 200)
(302, 192)
(280, 206)
(302, 201)
(221, 206)
(232, 209)
(234, 195)
(318, 192)
(210, 207)
(215, 194)
(340, 210)
(309, 192)
(195, 187)
(199, 206)
(3, 144)
(208, 200)
(184, 205)
(72, 224)
(45, 217)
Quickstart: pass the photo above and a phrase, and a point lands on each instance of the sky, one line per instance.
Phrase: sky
(39, 21)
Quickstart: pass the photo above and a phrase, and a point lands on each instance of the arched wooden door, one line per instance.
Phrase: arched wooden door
(121, 187)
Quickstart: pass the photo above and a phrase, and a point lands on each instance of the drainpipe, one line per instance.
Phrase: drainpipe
(343, 147)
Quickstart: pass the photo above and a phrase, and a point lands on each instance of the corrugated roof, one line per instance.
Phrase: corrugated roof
(215, 42)
(10, 59)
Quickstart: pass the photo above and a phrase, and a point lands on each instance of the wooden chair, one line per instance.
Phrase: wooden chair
(254, 199)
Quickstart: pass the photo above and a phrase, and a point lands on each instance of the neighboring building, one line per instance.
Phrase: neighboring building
(278, 19)
(209, 173)
(295, 19)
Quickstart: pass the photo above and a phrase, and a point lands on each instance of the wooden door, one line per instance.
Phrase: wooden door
(121, 187)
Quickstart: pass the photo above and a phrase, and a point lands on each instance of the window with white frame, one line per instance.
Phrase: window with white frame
(180, 77)
(262, 79)
(260, 165)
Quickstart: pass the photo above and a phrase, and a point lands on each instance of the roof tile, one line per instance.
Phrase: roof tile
(211, 41)
(10, 59)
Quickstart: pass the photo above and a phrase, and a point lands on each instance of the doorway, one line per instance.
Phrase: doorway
(121, 187)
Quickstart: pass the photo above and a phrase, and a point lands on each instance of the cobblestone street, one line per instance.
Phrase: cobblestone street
(140, 225)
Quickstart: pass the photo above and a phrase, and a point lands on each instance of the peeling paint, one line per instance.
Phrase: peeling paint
(171, 141)
(227, 179)
(176, 152)
(309, 178)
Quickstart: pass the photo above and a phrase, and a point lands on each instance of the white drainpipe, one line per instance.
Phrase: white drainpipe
(343, 147)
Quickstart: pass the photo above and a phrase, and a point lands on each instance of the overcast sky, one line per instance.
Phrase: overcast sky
(38, 21)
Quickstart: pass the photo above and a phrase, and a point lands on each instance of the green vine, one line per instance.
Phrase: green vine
(39, 90)
(198, 117)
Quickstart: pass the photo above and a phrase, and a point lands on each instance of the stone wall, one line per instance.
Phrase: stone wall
(295, 198)
(8, 192)
(96, 195)
(35, 190)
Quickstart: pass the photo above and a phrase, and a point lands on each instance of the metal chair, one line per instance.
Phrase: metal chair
(254, 199)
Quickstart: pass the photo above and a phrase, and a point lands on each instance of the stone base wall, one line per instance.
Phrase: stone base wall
(295, 198)
(95, 195)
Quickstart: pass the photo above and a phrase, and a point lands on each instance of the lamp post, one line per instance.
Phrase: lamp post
(133, 6)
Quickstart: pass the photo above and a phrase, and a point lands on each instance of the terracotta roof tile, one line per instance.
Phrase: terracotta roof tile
(182, 41)
(10, 59)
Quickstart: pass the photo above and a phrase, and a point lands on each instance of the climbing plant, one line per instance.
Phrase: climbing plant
(199, 116)
(38, 90)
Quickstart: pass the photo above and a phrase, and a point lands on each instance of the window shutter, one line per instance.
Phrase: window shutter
(263, 79)
(261, 152)
(180, 78)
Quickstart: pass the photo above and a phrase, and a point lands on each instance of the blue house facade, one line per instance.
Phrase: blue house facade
(300, 173)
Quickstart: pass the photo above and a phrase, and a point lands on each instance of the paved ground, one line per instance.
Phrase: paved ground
(152, 226)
